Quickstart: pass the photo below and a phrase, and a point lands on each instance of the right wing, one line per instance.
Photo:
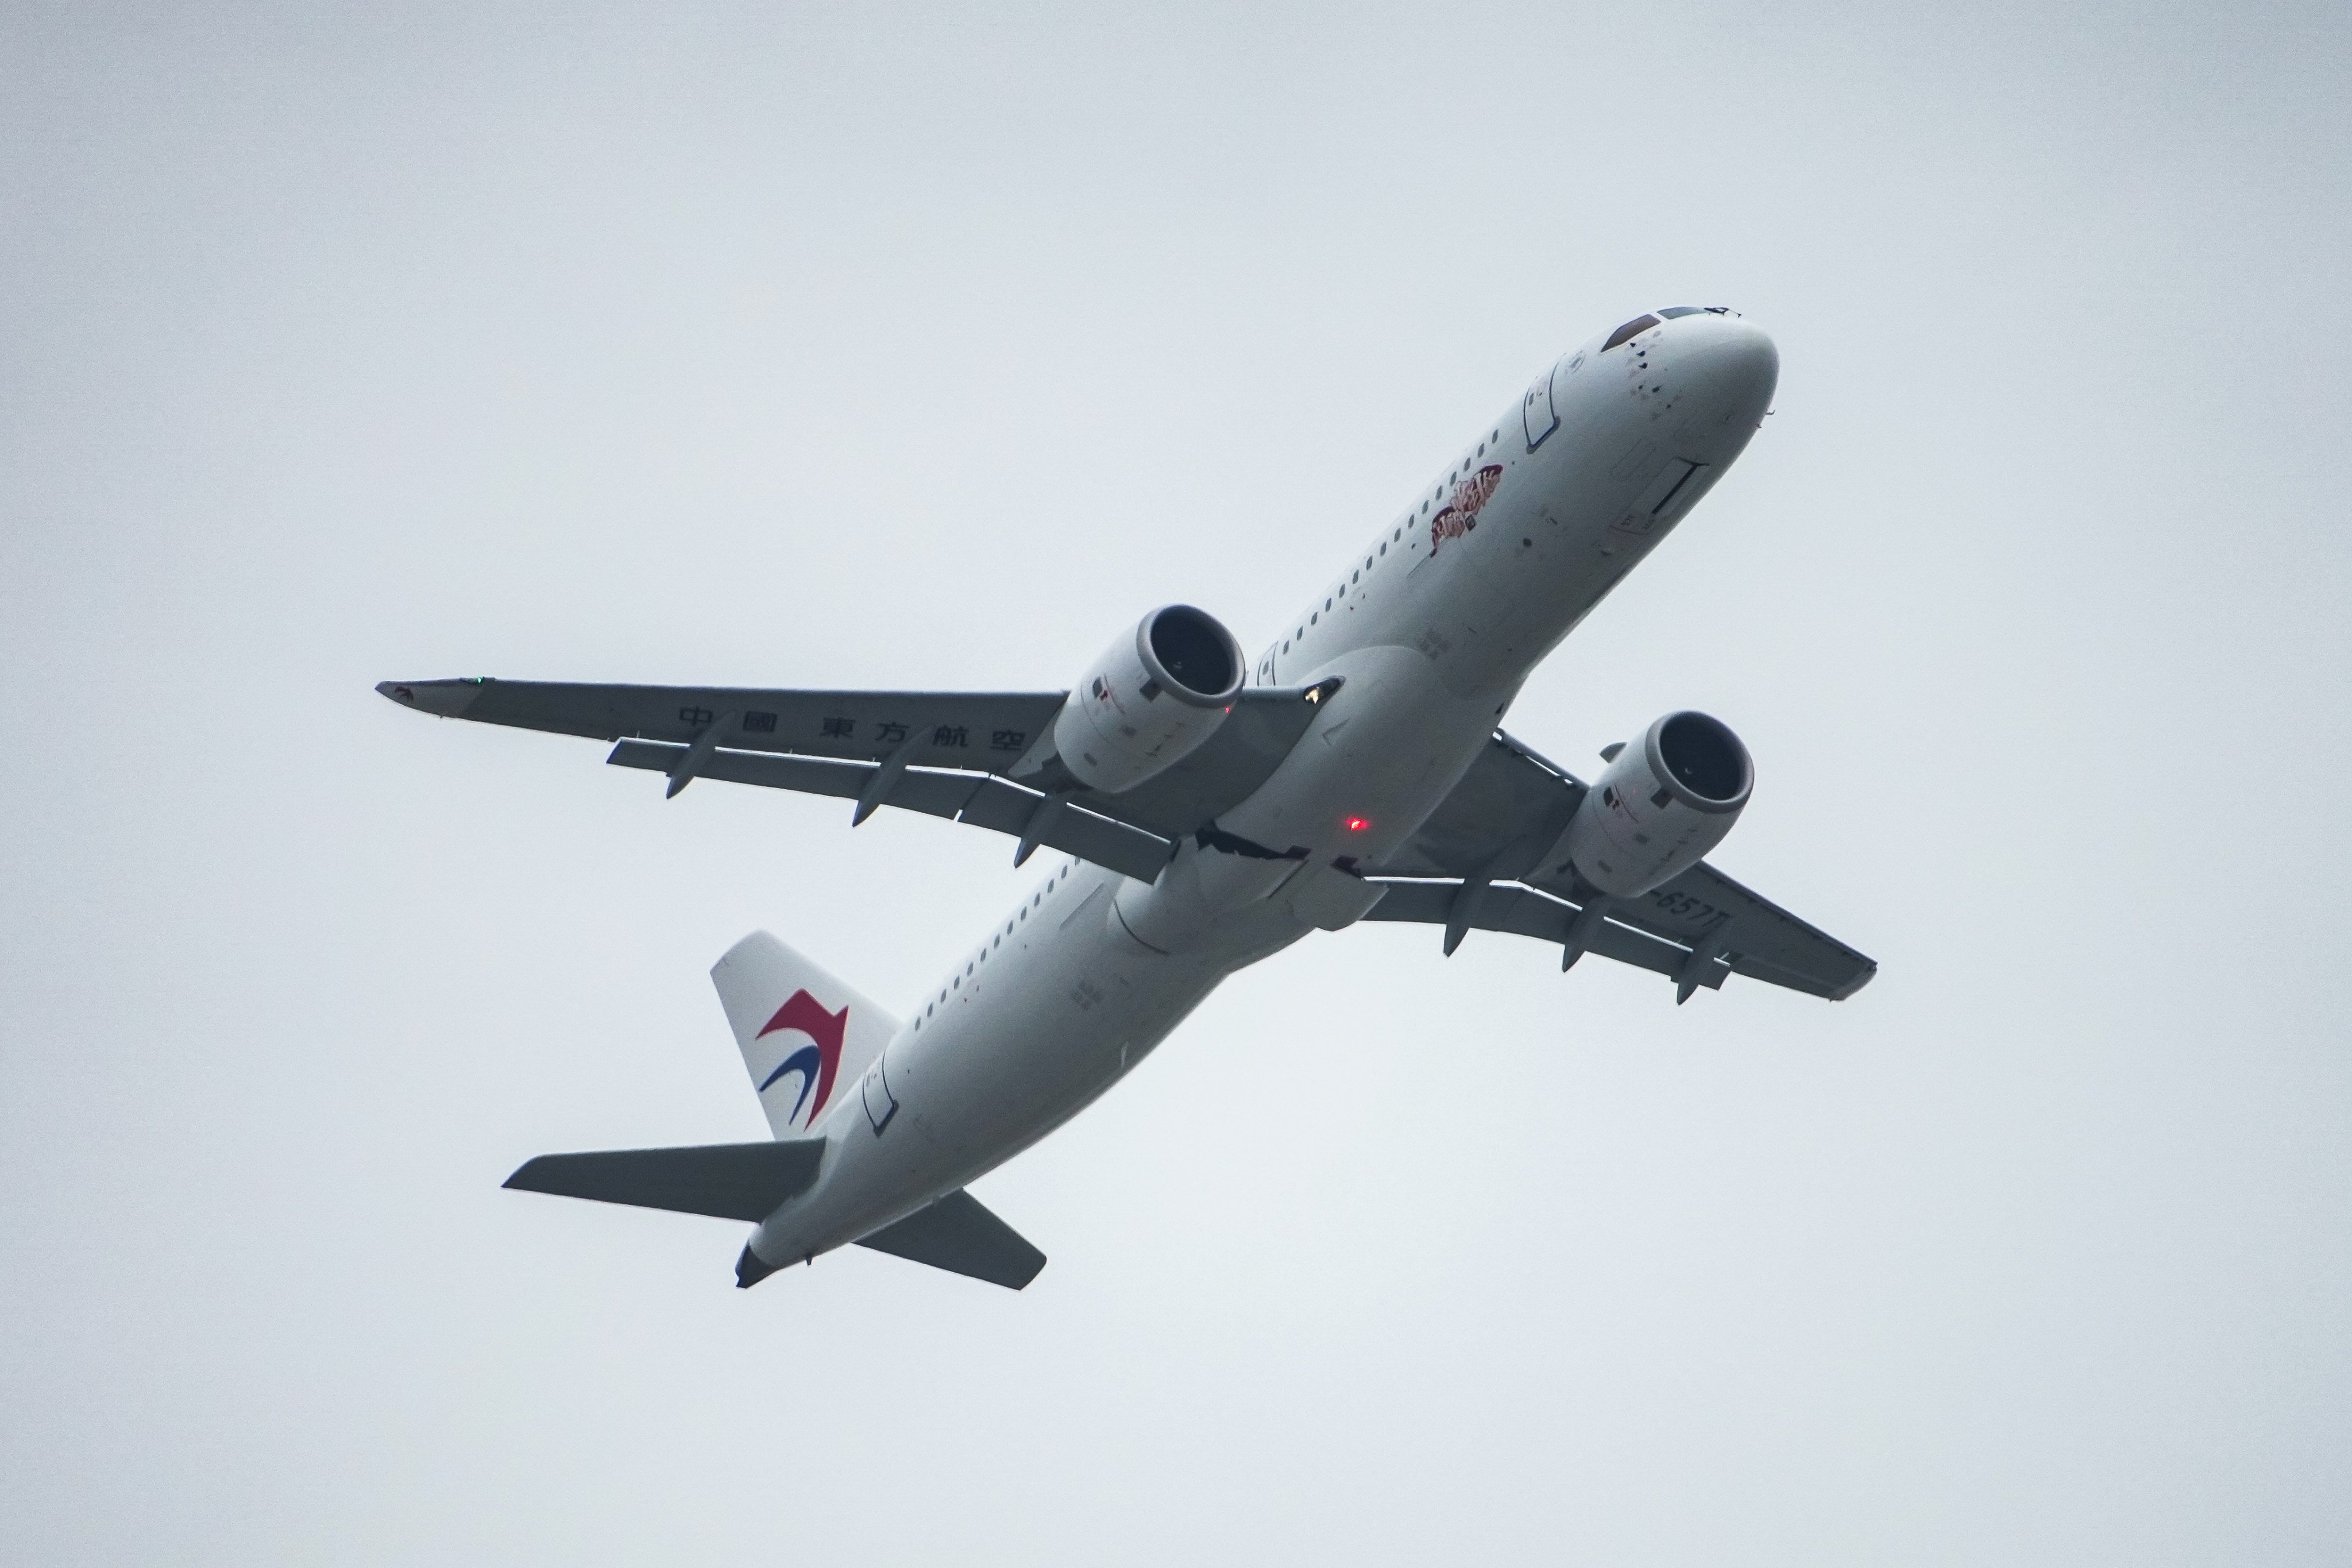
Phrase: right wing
(983, 758)
(1476, 865)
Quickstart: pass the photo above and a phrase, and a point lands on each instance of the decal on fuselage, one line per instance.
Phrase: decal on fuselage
(816, 1062)
(1461, 513)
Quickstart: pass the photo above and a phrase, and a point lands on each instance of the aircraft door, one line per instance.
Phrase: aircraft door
(875, 1090)
(1536, 410)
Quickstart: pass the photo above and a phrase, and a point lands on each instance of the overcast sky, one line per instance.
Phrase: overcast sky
(906, 346)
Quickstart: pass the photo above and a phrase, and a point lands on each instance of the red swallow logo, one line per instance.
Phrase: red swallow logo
(816, 1063)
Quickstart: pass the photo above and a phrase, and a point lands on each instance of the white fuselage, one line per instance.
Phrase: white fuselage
(1433, 625)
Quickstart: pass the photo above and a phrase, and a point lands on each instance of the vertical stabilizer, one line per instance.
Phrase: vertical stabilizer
(806, 1038)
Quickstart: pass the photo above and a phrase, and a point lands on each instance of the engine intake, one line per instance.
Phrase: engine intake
(1151, 699)
(1659, 807)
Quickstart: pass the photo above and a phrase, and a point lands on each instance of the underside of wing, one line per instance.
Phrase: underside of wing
(1480, 863)
(983, 758)
(979, 799)
(1770, 944)
(1509, 809)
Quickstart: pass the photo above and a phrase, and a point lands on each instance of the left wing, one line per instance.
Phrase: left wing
(1475, 865)
(985, 730)
(983, 758)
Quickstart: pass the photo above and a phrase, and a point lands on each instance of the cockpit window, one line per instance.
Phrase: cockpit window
(1632, 329)
(1671, 312)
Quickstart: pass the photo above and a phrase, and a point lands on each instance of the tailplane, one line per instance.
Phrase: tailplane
(804, 1034)
(725, 1181)
(958, 1235)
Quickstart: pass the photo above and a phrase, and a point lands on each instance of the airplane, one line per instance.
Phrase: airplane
(1208, 812)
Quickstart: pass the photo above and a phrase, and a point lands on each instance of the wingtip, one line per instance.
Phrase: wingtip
(443, 699)
(1857, 983)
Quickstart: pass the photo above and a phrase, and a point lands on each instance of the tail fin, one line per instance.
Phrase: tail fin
(806, 1037)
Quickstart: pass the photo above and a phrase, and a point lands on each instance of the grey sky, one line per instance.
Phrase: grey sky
(905, 346)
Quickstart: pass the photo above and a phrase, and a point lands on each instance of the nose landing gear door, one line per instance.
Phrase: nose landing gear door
(1673, 491)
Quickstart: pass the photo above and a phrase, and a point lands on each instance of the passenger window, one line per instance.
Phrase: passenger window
(1632, 329)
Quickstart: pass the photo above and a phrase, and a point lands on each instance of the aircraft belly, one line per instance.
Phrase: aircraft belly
(1049, 1031)
(1050, 1022)
(1394, 743)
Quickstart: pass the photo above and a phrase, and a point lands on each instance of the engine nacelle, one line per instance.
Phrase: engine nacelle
(1660, 805)
(1151, 699)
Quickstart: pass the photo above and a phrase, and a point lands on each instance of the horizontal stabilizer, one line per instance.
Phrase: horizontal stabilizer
(959, 1236)
(726, 1181)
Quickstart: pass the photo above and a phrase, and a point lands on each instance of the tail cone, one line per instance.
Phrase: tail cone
(750, 1268)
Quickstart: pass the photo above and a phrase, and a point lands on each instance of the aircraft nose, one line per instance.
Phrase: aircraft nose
(1735, 357)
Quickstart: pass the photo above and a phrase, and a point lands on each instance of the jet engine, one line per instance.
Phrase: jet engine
(1151, 699)
(1660, 805)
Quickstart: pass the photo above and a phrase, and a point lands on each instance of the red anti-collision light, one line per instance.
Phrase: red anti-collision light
(1358, 823)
